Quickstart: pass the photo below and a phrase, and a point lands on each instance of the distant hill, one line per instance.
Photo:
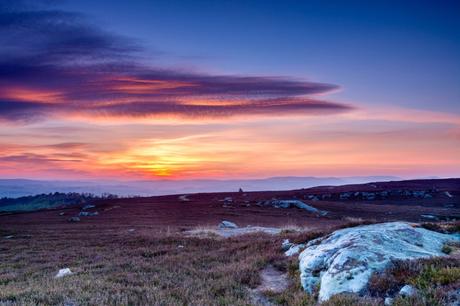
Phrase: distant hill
(13, 188)
(44, 201)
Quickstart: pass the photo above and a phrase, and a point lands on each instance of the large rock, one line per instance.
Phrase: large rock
(344, 260)
(298, 204)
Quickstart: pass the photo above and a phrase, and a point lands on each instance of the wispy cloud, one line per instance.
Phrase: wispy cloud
(56, 63)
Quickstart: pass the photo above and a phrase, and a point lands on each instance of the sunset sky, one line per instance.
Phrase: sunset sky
(98, 89)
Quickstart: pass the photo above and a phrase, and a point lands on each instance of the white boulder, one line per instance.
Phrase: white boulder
(63, 272)
(407, 291)
(388, 301)
(344, 260)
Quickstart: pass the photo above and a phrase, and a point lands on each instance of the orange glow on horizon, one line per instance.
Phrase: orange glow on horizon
(339, 145)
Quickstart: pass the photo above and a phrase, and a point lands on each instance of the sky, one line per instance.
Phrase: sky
(229, 89)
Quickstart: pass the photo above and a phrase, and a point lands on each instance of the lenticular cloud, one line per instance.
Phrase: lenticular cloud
(56, 64)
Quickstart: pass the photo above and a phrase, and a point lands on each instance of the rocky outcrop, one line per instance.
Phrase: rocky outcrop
(298, 204)
(344, 260)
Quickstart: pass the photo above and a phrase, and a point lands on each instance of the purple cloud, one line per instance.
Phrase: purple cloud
(56, 63)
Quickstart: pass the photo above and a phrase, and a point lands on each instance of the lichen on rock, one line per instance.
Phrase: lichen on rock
(345, 260)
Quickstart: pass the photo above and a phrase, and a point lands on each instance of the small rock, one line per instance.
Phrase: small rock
(294, 249)
(429, 217)
(408, 291)
(131, 230)
(88, 214)
(227, 199)
(184, 198)
(74, 219)
(61, 213)
(227, 224)
(86, 207)
(9, 237)
(286, 245)
(180, 246)
(389, 301)
(63, 272)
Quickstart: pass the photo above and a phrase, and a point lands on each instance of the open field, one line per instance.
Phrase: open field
(135, 252)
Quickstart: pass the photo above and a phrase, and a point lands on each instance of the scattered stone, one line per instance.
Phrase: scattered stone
(407, 291)
(345, 195)
(110, 208)
(447, 193)
(429, 217)
(180, 246)
(227, 224)
(370, 196)
(63, 272)
(88, 214)
(9, 237)
(184, 198)
(344, 260)
(131, 230)
(298, 204)
(86, 207)
(389, 301)
(294, 249)
(61, 213)
(418, 193)
(73, 219)
(286, 245)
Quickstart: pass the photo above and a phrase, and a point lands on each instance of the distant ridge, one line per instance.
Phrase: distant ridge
(24, 187)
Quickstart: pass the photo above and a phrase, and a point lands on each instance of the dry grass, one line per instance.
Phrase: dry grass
(443, 227)
(433, 278)
(136, 268)
(147, 267)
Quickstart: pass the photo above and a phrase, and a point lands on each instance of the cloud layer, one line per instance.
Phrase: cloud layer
(57, 63)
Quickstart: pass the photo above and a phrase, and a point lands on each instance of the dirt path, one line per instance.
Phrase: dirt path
(273, 280)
